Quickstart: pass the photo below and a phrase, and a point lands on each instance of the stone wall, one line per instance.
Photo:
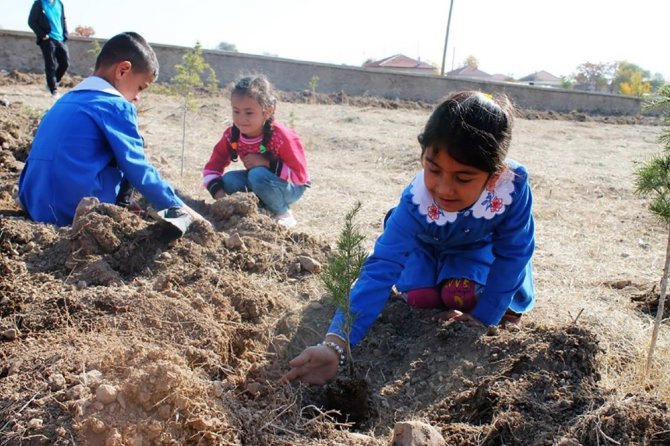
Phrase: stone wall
(18, 51)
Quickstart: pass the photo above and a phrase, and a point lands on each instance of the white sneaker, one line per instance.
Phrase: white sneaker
(286, 219)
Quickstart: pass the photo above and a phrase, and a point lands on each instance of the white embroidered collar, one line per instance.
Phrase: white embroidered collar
(491, 202)
(96, 83)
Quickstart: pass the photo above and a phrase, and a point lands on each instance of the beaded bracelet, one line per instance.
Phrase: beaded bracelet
(339, 350)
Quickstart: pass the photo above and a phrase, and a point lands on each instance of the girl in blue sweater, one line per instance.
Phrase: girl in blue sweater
(461, 238)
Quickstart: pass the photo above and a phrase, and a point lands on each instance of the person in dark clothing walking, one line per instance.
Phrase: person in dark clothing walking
(47, 20)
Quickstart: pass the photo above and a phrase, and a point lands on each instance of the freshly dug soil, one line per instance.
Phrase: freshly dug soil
(111, 334)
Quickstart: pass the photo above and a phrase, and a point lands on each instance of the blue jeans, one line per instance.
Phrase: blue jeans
(274, 193)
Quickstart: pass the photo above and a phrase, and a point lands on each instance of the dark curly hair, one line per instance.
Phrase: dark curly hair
(473, 128)
(259, 89)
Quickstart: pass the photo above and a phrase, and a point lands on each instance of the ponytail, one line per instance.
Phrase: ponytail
(234, 137)
(267, 134)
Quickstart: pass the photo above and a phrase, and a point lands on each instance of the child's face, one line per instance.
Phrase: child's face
(453, 186)
(248, 115)
(131, 83)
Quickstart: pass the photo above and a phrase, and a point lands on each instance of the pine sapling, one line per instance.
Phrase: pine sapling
(653, 179)
(192, 74)
(342, 269)
(313, 83)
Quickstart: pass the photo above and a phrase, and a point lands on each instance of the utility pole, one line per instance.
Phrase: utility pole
(446, 37)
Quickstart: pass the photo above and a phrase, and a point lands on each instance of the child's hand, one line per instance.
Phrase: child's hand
(315, 365)
(254, 160)
(455, 315)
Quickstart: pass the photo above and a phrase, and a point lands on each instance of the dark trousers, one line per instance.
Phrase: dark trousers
(56, 61)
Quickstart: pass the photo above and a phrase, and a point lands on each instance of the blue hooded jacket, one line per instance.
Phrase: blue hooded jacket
(86, 144)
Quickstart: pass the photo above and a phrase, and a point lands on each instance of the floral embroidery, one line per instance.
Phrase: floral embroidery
(434, 212)
(493, 200)
(496, 204)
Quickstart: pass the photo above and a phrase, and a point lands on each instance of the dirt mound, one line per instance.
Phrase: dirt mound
(524, 386)
(17, 129)
(645, 296)
(310, 97)
(19, 78)
(633, 420)
(126, 336)
(112, 333)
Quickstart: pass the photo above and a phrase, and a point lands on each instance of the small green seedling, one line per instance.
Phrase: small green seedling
(342, 269)
(192, 74)
(291, 119)
(313, 84)
(653, 179)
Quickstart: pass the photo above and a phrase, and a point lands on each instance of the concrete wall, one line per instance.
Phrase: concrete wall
(18, 51)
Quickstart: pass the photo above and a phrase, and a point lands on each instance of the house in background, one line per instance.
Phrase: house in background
(502, 78)
(469, 71)
(542, 79)
(401, 63)
(476, 73)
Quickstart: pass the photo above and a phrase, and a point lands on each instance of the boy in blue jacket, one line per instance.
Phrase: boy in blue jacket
(88, 144)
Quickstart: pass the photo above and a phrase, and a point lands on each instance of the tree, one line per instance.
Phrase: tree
(83, 31)
(657, 81)
(343, 268)
(471, 62)
(225, 46)
(567, 82)
(630, 80)
(312, 84)
(653, 178)
(94, 51)
(595, 76)
(635, 86)
(189, 77)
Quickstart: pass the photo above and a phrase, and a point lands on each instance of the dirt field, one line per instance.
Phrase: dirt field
(112, 335)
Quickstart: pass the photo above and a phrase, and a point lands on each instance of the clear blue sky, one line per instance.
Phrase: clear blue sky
(512, 37)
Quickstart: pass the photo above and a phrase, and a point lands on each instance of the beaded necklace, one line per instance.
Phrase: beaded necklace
(267, 135)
